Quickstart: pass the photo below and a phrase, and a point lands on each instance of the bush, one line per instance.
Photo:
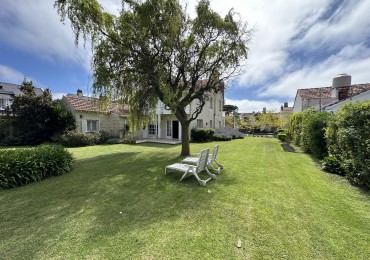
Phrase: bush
(295, 128)
(20, 166)
(313, 133)
(348, 136)
(202, 134)
(75, 139)
(332, 164)
(282, 136)
(221, 137)
(229, 133)
(114, 141)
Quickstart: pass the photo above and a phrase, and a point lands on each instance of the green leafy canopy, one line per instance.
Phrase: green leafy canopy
(154, 51)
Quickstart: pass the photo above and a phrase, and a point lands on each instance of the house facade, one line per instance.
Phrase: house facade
(7, 93)
(167, 126)
(331, 98)
(92, 117)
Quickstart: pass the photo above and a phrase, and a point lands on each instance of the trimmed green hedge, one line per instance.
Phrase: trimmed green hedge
(313, 133)
(75, 139)
(282, 137)
(20, 166)
(348, 138)
(202, 134)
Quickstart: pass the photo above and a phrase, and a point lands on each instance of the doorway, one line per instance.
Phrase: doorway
(175, 129)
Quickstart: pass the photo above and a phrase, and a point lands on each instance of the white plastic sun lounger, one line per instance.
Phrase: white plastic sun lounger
(190, 170)
(211, 160)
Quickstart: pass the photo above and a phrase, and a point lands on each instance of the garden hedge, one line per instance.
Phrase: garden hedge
(20, 166)
(348, 138)
(202, 134)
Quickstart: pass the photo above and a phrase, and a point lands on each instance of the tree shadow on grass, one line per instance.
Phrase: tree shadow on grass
(102, 197)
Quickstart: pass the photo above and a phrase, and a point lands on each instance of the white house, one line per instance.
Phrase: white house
(167, 126)
(90, 117)
(331, 98)
(334, 107)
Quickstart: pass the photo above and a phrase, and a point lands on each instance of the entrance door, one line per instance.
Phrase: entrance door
(175, 129)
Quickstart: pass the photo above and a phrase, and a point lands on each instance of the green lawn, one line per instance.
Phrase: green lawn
(118, 204)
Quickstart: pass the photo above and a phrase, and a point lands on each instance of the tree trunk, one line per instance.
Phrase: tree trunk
(185, 142)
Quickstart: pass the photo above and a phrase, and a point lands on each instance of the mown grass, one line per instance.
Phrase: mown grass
(118, 204)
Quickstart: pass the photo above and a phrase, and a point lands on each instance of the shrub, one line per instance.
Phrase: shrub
(282, 137)
(332, 164)
(348, 136)
(75, 139)
(114, 141)
(221, 137)
(202, 134)
(295, 128)
(229, 133)
(20, 166)
(313, 133)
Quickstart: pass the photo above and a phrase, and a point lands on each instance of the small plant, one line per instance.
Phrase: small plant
(282, 137)
(332, 164)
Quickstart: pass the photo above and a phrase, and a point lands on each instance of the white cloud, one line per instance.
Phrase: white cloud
(35, 27)
(348, 25)
(58, 95)
(353, 60)
(247, 106)
(10, 75)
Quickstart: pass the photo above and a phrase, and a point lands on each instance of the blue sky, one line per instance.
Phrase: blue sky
(296, 44)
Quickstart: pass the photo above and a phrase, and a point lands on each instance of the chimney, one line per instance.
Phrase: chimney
(341, 84)
(282, 108)
(285, 104)
(264, 110)
(79, 92)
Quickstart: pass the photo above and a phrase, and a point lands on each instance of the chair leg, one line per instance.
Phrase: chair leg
(213, 177)
(213, 168)
(200, 181)
(188, 173)
(220, 165)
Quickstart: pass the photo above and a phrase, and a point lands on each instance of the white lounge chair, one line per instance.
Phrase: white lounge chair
(211, 160)
(190, 170)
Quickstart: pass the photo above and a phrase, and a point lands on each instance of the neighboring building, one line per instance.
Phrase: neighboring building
(285, 111)
(7, 93)
(334, 107)
(91, 117)
(167, 126)
(331, 98)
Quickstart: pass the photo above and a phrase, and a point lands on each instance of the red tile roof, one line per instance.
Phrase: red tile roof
(82, 103)
(313, 93)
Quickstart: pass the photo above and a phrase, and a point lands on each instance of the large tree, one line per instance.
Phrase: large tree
(154, 51)
(37, 118)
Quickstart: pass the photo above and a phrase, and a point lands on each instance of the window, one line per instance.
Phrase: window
(199, 123)
(92, 125)
(211, 102)
(169, 128)
(152, 130)
(210, 124)
(219, 124)
(2, 103)
(220, 105)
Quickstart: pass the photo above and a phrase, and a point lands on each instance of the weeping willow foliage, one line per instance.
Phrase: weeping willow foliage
(153, 51)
